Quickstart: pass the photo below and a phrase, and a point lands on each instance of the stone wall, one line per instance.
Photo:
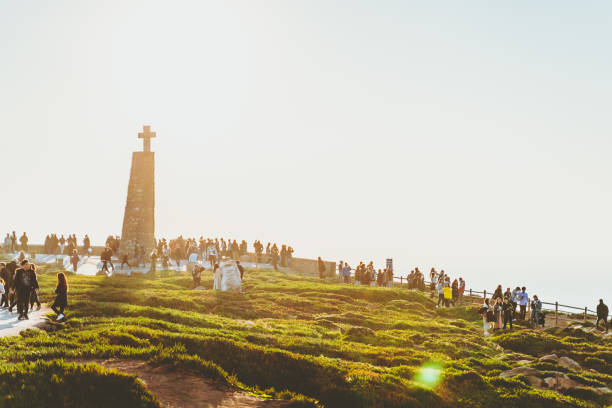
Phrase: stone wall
(139, 218)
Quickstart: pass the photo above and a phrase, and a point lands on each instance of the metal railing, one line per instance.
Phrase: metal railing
(562, 313)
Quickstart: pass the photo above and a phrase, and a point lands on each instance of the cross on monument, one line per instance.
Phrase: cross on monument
(146, 136)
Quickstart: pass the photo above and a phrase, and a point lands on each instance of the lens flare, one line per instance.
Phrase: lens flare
(429, 375)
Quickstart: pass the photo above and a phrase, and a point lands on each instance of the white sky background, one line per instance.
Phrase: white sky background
(349, 129)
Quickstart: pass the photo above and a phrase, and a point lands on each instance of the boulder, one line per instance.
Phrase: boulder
(602, 390)
(569, 363)
(523, 362)
(534, 381)
(560, 381)
(549, 357)
(550, 383)
(564, 382)
(359, 331)
(526, 371)
(328, 324)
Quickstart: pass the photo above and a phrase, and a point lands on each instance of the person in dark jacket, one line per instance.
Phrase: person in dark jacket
(61, 296)
(34, 286)
(23, 289)
(105, 257)
(9, 277)
(4, 276)
(602, 314)
(321, 267)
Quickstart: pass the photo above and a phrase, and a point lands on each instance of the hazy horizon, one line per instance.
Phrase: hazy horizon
(442, 132)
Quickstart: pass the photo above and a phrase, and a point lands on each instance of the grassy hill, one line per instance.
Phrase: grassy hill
(295, 338)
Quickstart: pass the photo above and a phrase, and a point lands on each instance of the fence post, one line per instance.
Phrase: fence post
(485, 295)
(585, 314)
(556, 313)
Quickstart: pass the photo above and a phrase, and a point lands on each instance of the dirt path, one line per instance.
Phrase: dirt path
(10, 326)
(182, 389)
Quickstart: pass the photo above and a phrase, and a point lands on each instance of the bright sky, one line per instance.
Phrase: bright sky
(350, 129)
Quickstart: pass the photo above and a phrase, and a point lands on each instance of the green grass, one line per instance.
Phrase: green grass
(294, 337)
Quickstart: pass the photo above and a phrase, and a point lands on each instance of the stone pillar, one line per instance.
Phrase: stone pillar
(139, 218)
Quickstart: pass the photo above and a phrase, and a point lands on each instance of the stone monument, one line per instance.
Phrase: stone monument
(139, 218)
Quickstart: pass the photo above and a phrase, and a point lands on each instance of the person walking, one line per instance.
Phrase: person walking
(61, 296)
(602, 314)
(105, 257)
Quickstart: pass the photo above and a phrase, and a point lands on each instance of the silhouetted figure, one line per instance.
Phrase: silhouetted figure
(602, 314)
(321, 267)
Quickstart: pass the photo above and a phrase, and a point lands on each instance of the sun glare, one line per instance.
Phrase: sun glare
(429, 375)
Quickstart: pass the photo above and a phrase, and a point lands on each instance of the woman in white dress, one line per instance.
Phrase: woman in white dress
(217, 277)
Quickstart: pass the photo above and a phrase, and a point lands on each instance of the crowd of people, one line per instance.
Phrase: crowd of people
(503, 308)
(19, 287)
(10, 242)
(166, 251)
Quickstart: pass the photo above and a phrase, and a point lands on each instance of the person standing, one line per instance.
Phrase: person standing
(274, 256)
(346, 273)
(508, 307)
(461, 290)
(241, 269)
(196, 274)
(23, 289)
(217, 275)
(321, 268)
(536, 311)
(523, 302)
(74, 260)
(602, 314)
(13, 241)
(7, 244)
(23, 240)
(61, 296)
(498, 310)
(34, 286)
(212, 254)
(440, 290)
(86, 245)
(389, 277)
(153, 261)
